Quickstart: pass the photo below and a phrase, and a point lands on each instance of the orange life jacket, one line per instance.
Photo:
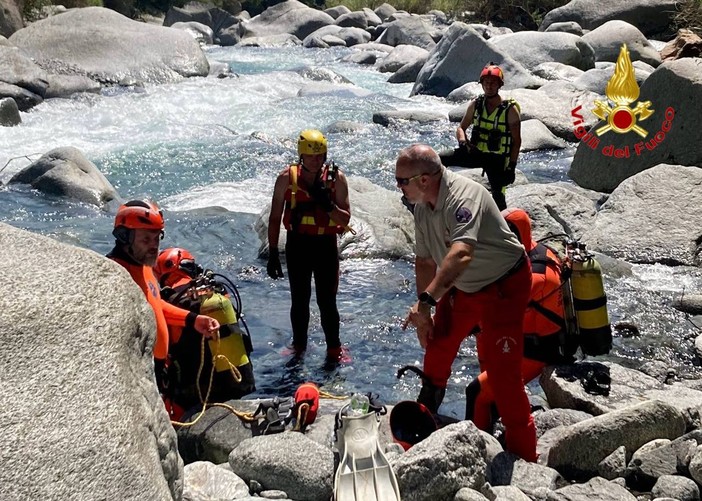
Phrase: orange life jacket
(544, 314)
(302, 214)
(164, 312)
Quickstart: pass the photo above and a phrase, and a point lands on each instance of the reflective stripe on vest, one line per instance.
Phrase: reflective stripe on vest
(497, 120)
(313, 221)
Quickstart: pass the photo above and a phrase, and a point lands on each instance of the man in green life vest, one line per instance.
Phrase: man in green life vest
(495, 137)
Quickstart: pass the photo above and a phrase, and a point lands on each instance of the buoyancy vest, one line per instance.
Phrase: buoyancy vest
(302, 214)
(164, 312)
(491, 131)
(185, 343)
(545, 335)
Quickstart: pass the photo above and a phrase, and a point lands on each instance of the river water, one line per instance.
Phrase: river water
(208, 150)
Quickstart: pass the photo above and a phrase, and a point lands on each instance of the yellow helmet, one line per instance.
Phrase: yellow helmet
(311, 142)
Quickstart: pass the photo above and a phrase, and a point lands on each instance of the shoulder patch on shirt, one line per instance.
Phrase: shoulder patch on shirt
(464, 215)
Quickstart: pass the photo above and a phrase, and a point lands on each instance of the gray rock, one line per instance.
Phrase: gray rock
(386, 118)
(23, 98)
(614, 465)
(553, 103)
(437, 467)
(66, 408)
(215, 434)
(67, 85)
(375, 46)
(468, 494)
(465, 92)
(650, 16)
(553, 208)
(271, 494)
(695, 466)
(9, 113)
(408, 31)
(10, 17)
(507, 469)
(676, 487)
(281, 40)
(557, 71)
(674, 89)
(566, 27)
(553, 418)
(228, 36)
(531, 48)
(22, 72)
(372, 18)
(689, 303)
(384, 11)
(353, 36)
(504, 493)
(645, 468)
(364, 57)
(595, 80)
(204, 481)
(67, 173)
(289, 462)
(200, 32)
(408, 73)
(337, 11)
(356, 19)
(319, 74)
(536, 136)
(596, 488)
(607, 40)
(288, 17)
(581, 447)
(401, 56)
(618, 231)
(460, 57)
(108, 47)
(493, 447)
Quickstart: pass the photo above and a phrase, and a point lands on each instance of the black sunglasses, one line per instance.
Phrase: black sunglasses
(404, 181)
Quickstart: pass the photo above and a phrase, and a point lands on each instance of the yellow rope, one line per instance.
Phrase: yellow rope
(245, 416)
(324, 394)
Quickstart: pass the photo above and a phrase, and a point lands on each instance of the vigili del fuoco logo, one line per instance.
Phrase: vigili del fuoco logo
(622, 90)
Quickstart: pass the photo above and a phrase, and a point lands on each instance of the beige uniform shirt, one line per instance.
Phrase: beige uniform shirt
(466, 212)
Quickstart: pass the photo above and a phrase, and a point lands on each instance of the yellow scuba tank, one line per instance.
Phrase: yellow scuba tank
(230, 343)
(589, 301)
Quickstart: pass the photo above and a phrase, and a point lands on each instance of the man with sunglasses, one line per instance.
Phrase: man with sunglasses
(495, 138)
(475, 272)
(138, 230)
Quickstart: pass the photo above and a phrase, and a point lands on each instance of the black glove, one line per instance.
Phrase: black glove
(273, 268)
(322, 195)
(509, 172)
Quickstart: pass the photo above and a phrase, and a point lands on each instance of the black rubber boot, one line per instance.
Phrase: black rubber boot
(431, 396)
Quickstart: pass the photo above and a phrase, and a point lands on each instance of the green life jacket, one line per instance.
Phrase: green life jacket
(491, 131)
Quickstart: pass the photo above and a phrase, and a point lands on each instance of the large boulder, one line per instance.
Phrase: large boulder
(410, 30)
(650, 16)
(10, 18)
(20, 71)
(400, 56)
(675, 91)
(218, 20)
(290, 17)
(606, 41)
(82, 418)
(553, 104)
(108, 47)
(620, 231)
(685, 44)
(66, 172)
(460, 57)
(578, 449)
(532, 48)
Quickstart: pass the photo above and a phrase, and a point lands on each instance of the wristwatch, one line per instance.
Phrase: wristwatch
(426, 298)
